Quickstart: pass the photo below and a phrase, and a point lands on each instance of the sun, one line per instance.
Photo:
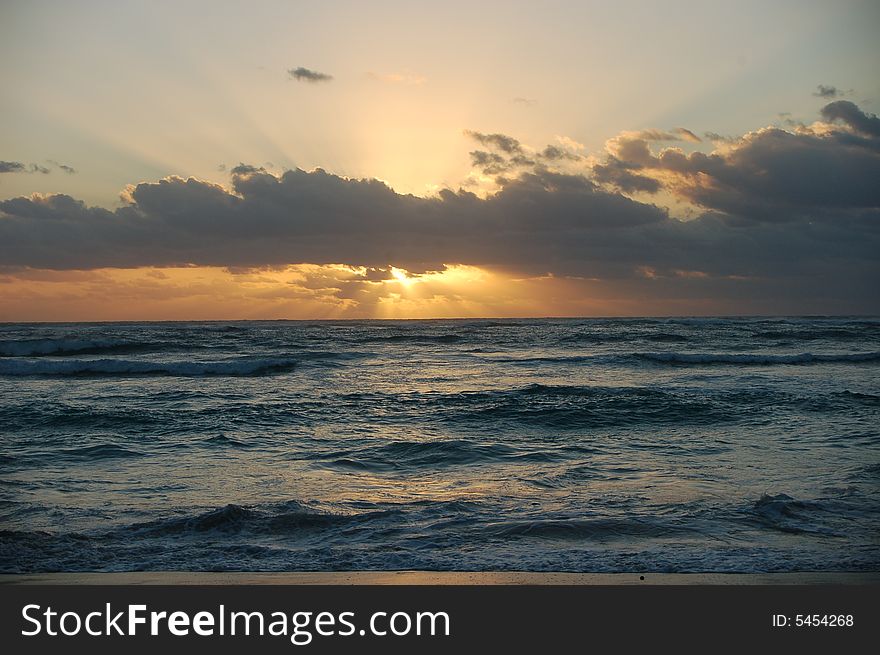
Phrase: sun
(401, 276)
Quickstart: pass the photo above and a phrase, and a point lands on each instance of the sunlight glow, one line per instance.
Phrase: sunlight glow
(401, 276)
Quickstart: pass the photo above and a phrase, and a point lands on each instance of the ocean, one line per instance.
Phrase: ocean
(592, 445)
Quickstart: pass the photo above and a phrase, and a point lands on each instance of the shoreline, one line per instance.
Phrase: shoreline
(434, 578)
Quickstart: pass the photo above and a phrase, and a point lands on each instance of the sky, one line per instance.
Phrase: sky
(222, 160)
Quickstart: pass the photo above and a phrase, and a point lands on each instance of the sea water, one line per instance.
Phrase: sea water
(567, 445)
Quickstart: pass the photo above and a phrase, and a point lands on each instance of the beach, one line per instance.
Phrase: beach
(187, 578)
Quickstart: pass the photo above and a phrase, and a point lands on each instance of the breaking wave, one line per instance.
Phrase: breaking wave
(62, 347)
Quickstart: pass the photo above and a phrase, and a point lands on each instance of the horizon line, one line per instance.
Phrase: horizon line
(456, 318)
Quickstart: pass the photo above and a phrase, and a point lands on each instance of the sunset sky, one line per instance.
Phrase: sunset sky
(223, 160)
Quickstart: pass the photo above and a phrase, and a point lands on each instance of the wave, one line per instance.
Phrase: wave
(430, 454)
(597, 529)
(71, 415)
(96, 452)
(556, 406)
(551, 359)
(570, 407)
(280, 519)
(667, 337)
(418, 338)
(860, 398)
(786, 514)
(222, 441)
(812, 335)
(758, 359)
(122, 367)
(328, 355)
(61, 347)
(606, 336)
(283, 518)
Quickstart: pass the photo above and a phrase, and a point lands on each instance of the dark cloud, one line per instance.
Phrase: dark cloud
(510, 156)
(769, 174)
(630, 153)
(491, 163)
(849, 113)
(686, 135)
(306, 75)
(19, 167)
(246, 169)
(538, 223)
(620, 175)
(823, 91)
(12, 167)
(500, 141)
(555, 153)
(70, 170)
(318, 218)
(773, 174)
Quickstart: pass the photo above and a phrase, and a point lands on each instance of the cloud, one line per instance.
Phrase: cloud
(12, 167)
(773, 174)
(70, 170)
(18, 167)
(823, 91)
(246, 169)
(847, 112)
(555, 153)
(714, 137)
(789, 216)
(569, 143)
(508, 155)
(627, 154)
(306, 75)
(490, 163)
(319, 218)
(500, 141)
(652, 135)
(769, 174)
(528, 102)
(687, 135)
(620, 175)
(536, 224)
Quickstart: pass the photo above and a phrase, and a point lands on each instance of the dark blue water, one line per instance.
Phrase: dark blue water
(569, 445)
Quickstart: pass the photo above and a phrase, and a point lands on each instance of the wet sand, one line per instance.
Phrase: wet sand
(436, 578)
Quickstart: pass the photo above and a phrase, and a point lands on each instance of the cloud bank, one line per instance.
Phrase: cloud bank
(788, 215)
